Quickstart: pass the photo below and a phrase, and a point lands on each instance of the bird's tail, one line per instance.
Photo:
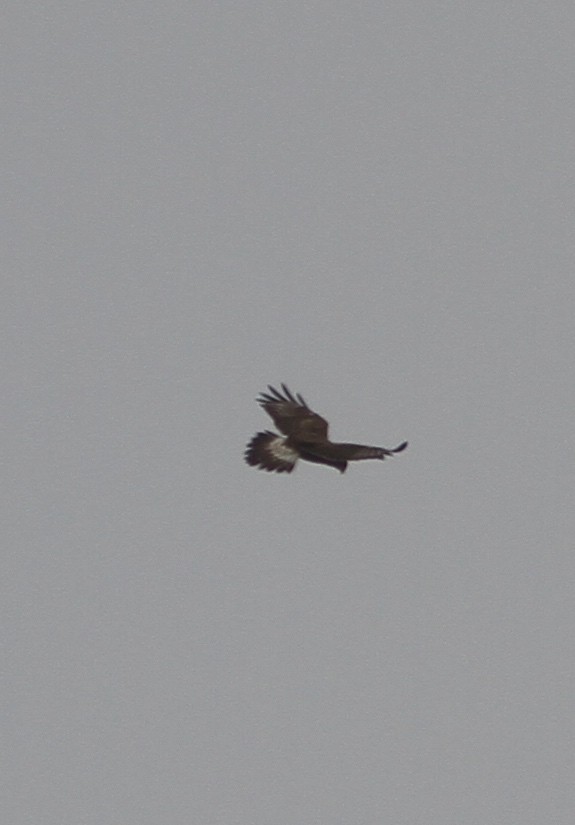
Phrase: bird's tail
(271, 452)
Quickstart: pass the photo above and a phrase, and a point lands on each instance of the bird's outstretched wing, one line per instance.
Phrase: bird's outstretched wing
(292, 416)
(357, 452)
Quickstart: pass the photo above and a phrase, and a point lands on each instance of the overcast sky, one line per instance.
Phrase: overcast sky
(373, 203)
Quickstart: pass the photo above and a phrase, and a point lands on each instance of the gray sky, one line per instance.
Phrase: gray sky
(374, 203)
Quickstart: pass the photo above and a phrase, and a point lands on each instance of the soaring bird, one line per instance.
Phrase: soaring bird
(304, 436)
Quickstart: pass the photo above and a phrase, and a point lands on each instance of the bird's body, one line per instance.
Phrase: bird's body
(305, 436)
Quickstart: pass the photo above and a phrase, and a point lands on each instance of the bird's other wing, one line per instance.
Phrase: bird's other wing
(292, 415)
(355, 452)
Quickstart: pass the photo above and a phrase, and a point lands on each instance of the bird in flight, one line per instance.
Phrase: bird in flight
(304, 436)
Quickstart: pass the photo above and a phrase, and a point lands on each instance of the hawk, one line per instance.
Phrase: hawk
(304, 436)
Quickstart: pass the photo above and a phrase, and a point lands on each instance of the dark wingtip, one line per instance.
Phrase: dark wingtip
(274, 396)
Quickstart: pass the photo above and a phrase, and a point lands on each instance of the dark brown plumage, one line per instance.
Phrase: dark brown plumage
(305, 436)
